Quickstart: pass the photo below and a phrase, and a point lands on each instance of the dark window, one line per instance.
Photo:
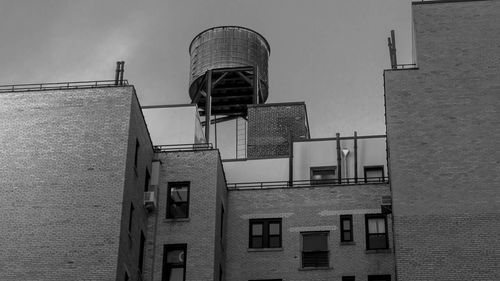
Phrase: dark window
(348, 278)
(266, 280)
(178, 200)
(315, 249)
(222, 223)
(346, 228)
(376, 232)
(126, 277)
(146, 182)
(379, 277)
(220, 273)
(141, 252)
(174, 262)
(323, 175)
(374, 173)
(130, 217)
(136, 152)
(265, 233)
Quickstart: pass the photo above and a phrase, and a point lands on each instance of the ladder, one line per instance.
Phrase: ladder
(241, 138)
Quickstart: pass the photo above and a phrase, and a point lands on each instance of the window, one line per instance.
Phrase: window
(376, 232)
(136, 152)
(146, 182)
(126, 277)
(265, 233)
(374, 173)
(174, 262)
(348, 278)
(322, 175)
(315, 249)
(379, 277)
(346, 228)
(222, 224)
(266, 280)
(178, 200)
(141, 252)
(130, 218)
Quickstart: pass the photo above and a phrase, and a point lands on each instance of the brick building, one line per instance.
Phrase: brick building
(96, 189)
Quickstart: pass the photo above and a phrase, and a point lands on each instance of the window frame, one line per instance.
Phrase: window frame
(374, 168)
(325, 233)
(141, 252)
(323, 181)
(171, 185)
(368, 234)
(384, 277)
(136, 153)
(130, 218)
(265, 232)
(165, 264)
(343, 231)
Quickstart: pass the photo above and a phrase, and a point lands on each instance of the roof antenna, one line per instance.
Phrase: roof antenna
(120, 68)
(392, 50)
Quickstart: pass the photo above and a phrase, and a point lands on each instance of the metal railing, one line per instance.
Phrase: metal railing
(62, 86)
(306, 183)
(183, 147)
(406, 66)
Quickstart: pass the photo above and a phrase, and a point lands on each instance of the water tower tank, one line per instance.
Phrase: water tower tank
(224, 49)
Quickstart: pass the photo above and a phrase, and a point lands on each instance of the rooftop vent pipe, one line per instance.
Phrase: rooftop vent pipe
(120, 68)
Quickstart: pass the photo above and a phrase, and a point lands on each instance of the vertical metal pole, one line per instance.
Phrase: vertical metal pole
(208, 105)
(339, 159)
(215, 130)
(393, 39)
(117, 74)
(121, 72)
(236, 134)
(355, 157)
(290, 164)
(255, 85)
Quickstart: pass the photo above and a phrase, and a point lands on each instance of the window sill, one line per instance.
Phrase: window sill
(314, 268)
(379, 251)
(264, 249)
(176, 220)
(346, 243)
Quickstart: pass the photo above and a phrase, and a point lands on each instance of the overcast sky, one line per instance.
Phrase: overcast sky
(329, 53)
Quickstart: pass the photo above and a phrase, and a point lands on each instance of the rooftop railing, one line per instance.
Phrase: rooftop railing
(183, 147)
(62, 86)
(306, 183)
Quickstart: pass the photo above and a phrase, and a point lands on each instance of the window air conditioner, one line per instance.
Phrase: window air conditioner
(149, 200)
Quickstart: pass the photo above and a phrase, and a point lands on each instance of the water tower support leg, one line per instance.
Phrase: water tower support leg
(208, 106)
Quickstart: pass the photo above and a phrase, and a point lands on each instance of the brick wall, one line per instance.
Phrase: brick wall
(202, 229)
(270, 127)
(62, 170)
(443, 137)
(305, 209)
(133, 194)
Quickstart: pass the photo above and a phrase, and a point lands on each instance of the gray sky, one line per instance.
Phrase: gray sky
(328, 53)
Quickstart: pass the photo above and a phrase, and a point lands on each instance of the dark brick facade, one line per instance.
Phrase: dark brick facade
(443, 134)
(270, 127)
(201, 231)
(303, 210)
(63, 159)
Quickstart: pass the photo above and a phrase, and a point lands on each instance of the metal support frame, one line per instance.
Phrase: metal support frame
(339, 159)
(208, 106)
(355, 157)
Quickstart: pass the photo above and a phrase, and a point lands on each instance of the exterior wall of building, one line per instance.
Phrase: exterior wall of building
(317, 153)
(202, 229)
(270, 127)
(174, 125)
(443, 131)
(303, 210)
(133, 195)
(62, 170)
(252, 170)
